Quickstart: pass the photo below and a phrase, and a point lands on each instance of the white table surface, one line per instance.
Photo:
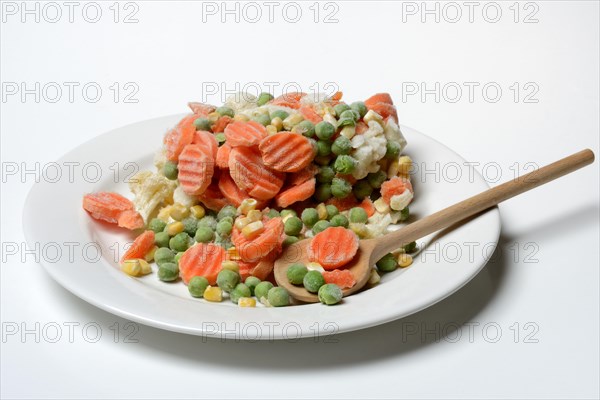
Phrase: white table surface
(542, 283)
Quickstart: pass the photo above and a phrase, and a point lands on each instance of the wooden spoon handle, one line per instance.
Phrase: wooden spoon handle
(483, 201)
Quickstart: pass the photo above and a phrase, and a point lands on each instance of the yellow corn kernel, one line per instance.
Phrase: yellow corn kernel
(277, 123)
(405, 165)
(348, 131)
(393, 169)
(241, 118)
(381, 206)
(179, 212)
(291, 121)
(131, 267)
(373, 116)
(253, 229)
(360, 229)
(247, 302)
(213, 293)
(164, 213)
(247, 205)
(254, 215)
(175, 228)
(241, 222)
(230, 265)
(404, 260)
(322, 211)
(146, 269)
(271, 129)
(213, 117)
(233, 254)
(374, 278)
(198, 211)
(150, 255)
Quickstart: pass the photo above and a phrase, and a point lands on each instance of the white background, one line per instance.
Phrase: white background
(545, 272)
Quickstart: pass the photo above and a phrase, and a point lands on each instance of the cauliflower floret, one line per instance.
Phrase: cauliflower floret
(377, 224)
(393, 134)
(160, 158)
(400, 201)
(150, 191)
(181, 197)
(369, 148)
(241, 101)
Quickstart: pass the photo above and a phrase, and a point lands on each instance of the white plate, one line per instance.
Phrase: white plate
(54, 218)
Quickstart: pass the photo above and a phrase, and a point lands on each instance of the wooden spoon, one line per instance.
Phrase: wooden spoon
(371, 250)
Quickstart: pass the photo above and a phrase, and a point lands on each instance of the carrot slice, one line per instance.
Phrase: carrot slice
(130, 219)
(114, 208)
(260, 269)
(379, 98)
(250, 173)
(333, 248)
(291, 100)
(234, 194)
(368, 206)
(212, 197)
(257, 248)
(207, 141)
(241, 133)
(296, 178)
(222, 159)
(287, 152)
(393, 187)
(202, 260)
(344, 278)
(140, 247)
(343, 204)
(310, 114)
(296, 193)
(179, 137)
(196, 169)
(220, 125)
(201, 109)
(385, 110)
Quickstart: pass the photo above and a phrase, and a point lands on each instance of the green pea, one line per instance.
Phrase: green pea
(323, 192)
(202, 124)
(227, 280)
(179, 242)
(323, 148)
(289, 240)
(221, 138)
(330, 294)
(264, 98)
(322, 160)
(341, 145)
(324, 130)
(310, 216)
(362, 189)
(223, 241)
(411, 247)
(262, 289)
(305, 128)
(358, 215)
(332, 211)
(170, 170)
(279, 113)
(197, 285)
(227, 211)
(278, 297)
(225, 111)
(375, 179)
(224, 227)
(178, 256)
(392, 150)
(157, 225)
(350, 114)
(296, 272)
(345, 164)
(320, 226)
(340, 108)
(168, 272)
(161, 239)
(262, 119)
(190, 225)
(204, 234)
(273, 213)
(164, 255)
(293, 226)
(313, 280)
(339, 220)
(340, 188)
(359, 107)
(387, 263)
(286, 212)
(252, 282)
(326, 174)
(208, 221)
(346, 122)
(240, 290)
(404, 214)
